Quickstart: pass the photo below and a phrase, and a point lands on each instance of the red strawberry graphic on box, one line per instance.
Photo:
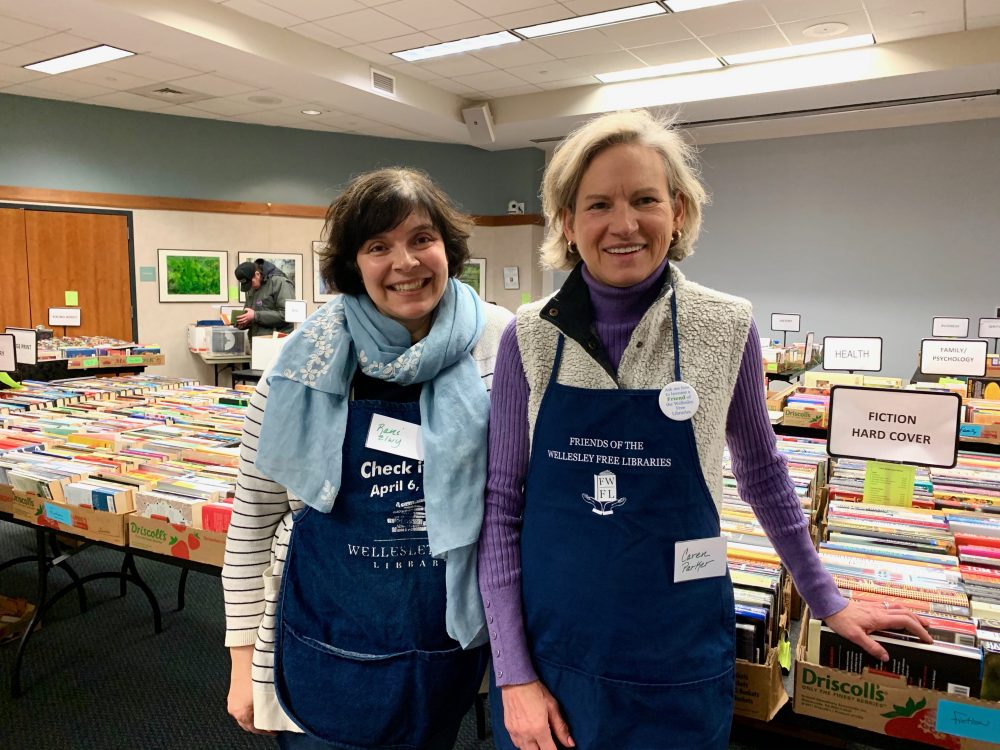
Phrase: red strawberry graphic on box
(179, 548)
(43, 520)
(915, 721)
(194, 541)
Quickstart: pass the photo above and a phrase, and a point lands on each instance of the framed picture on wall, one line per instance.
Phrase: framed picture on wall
(474, 274)
(289, 264)
(193, 275)
(321, 292)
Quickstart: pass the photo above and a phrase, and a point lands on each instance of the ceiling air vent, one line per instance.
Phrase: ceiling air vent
(172, 94)
(383, 82)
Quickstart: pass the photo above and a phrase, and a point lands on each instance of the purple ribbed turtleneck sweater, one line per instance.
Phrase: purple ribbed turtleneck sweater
(759, 468)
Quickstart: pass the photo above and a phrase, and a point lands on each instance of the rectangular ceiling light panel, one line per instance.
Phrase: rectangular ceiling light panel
(605, 18)
(82, 59)
(459, 45)
(800, 50)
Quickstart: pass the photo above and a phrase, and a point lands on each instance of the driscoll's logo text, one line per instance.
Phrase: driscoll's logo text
(867, 690)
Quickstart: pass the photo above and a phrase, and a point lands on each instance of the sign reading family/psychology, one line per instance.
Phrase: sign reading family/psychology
(882, 424)
(954, 327)
(945, 357)
(852, 353)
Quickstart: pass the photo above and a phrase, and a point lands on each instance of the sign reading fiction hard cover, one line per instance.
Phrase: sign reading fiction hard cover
(786, 322)
(911, 427)
(854, 353)
(956, 327)
(946, 357)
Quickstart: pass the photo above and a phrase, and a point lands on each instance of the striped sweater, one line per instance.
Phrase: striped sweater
(258, 542)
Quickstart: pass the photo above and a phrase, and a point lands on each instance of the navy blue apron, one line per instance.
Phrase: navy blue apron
(636, 661)
(362, 657)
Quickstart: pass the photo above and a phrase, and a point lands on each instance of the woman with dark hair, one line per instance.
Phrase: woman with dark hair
(353, 611)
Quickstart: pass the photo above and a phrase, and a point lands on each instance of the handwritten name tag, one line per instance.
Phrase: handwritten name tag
(968, 720)
(699, 558)
(395, 436)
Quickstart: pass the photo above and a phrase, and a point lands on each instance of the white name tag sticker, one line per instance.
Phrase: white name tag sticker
(699, 558)
(395, 436)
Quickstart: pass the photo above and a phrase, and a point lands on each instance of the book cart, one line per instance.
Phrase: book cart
(80, 457)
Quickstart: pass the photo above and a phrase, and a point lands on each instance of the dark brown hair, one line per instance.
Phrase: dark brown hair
(376, 202)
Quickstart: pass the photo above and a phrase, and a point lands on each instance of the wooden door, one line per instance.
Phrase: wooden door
(85, 253)
(15, 307)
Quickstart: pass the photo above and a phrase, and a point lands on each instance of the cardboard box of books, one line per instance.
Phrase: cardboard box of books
(805, 416)
(99, 525)
(880, 701)
(177, 540)
(6, 499)
(760, 693)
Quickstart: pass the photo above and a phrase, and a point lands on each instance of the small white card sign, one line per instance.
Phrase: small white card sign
(26, 344)
(295, 311)
(8, 360)
(700, 558)
(946, 357)
(954, 327)
(808, 351)
(989, 328)
(785, 322)
(395, 436)
(64, 316)
(857, 353)
(912, 427)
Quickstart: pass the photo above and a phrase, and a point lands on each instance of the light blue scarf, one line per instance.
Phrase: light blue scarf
(302, 436)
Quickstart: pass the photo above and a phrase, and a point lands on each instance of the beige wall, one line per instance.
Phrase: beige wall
(165, 324)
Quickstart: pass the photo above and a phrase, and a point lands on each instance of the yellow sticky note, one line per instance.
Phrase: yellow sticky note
(525, 298)
(234, 294)
(785, 653)
(72, 299)
(889, 484)
(8, 381)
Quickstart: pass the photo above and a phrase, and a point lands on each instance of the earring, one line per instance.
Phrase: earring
(572, 248)
(676, 237)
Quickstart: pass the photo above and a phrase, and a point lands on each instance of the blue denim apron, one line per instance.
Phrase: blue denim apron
(636, 661)
(362, 657)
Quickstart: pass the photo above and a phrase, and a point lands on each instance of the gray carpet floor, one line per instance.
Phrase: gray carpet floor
(102, 679)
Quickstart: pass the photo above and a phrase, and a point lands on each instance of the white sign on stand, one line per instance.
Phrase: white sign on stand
(953, 327)
(852, 353)
(8, 360)
(947, 357)
(26, 344)
(785, 322)
(989, 328)
(912, 427)
(295, 311)
(64, 316)
(808, 352)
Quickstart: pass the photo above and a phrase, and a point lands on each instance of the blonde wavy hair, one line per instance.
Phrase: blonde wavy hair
(572, 157)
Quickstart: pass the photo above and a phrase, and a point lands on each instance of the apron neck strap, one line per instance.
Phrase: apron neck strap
(673, 324)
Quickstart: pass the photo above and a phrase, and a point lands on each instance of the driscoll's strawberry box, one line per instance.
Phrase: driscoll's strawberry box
(177, 540)
(884, 703)
(98, 525)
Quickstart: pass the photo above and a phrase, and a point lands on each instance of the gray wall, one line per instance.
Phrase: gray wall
(864, 234)
(62, 145)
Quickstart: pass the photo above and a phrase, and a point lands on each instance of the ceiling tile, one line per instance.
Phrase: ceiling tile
(263, 12)
(153, 68)
(215, 85)
(751, 40)
(606, 63)
(367, 25)
(30, 89)
(786, 11)
(891, 17)
(857, 23)
(465, 30)
(108, 77)
(495, 79)
(570, 83)
(725, 18)
(647, 31)
(372, 55)
(454, 87)
(70, 87)
(576, 43)
(226, 107)
(16, 74)
(414, 71)
(585, 7)
(399, 43)
(895, 34)
(313, 10)
(982, 13)
(125, 100)
(541, 14)
(421, 14)
(492, 8)
(286, 101)
(59, 44)
(672, 52)
(524, 88)
(540, 73)
(456, 65)
(520, 53)
(326, 36)
(13, 31)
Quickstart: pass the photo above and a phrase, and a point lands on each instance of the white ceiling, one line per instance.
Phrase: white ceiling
(258, 61)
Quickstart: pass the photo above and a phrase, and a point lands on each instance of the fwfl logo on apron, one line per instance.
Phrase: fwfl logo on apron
(605, 498)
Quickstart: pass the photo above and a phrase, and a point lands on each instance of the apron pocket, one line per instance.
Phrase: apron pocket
(394, 701)
(605, 713)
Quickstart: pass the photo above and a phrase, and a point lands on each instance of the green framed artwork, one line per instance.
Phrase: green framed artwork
(193, 275)
(474, 274)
